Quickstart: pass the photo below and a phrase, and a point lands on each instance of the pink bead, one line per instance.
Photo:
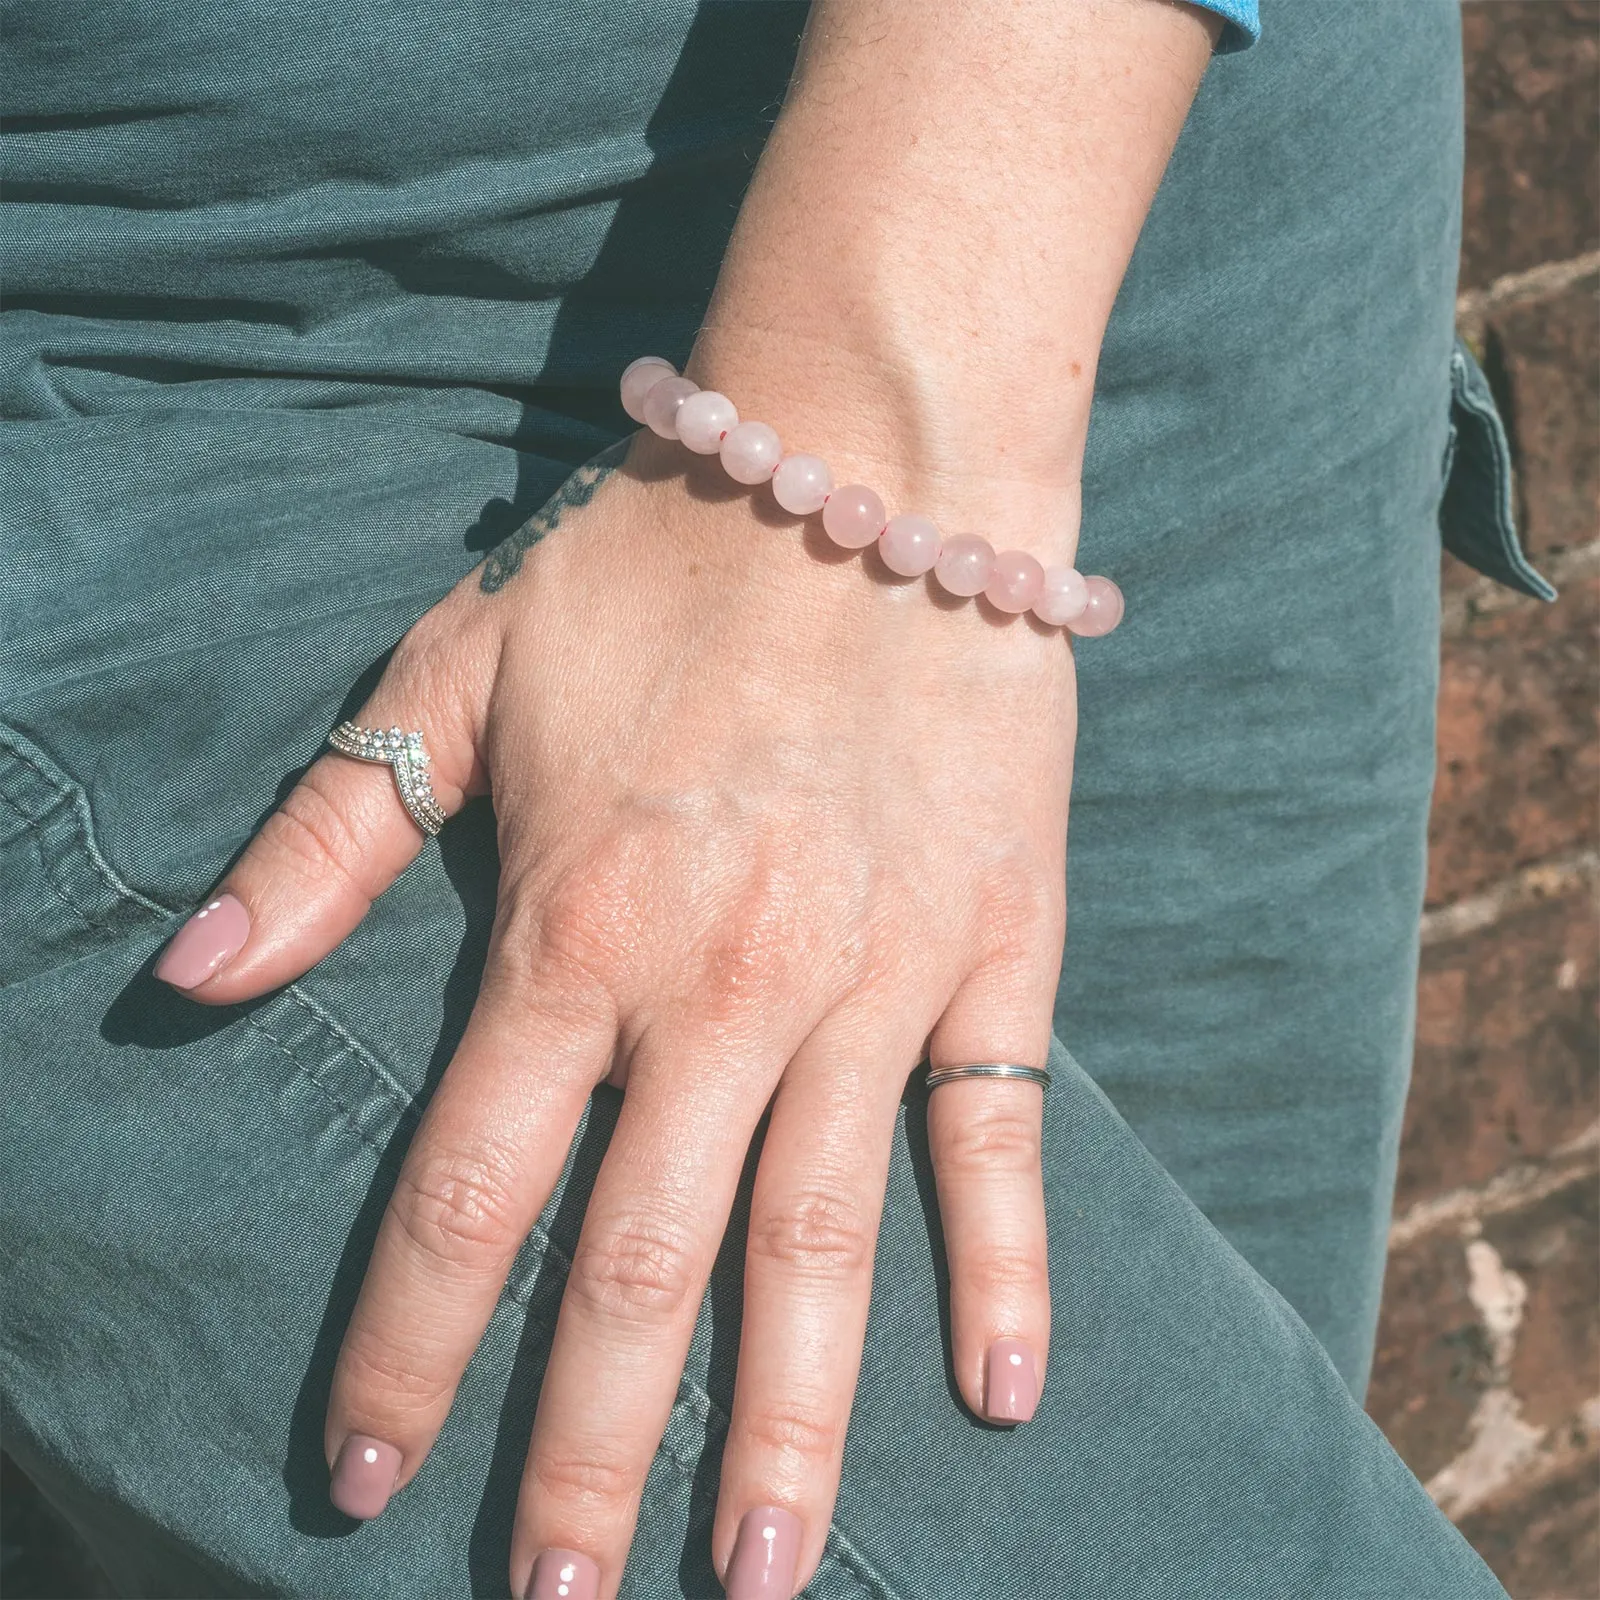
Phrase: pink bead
(909, 545)
(1065, 595)
(703, 418)
(853, 516)
(639, 378)
(1103, 612)
(661, 404)
(965, 563)
(750, 452)
(802, 483)
(1016, 582)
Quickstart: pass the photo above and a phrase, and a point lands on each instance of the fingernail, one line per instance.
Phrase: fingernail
(1010, 1382)
(563, 1575)
(765, 1555)
(207, 942)
(364, 1476)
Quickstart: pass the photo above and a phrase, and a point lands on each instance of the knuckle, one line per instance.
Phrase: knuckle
(426, 638)
(312, 833)
(1000, 1274)
(435, 652)
(527, 987)
(578, 925)
(380, 1374)
(808, 1436)
(581, 925)
(817, 1233)
(1004, 1274)
(457, 1206)
(597, 1476)
(1021, 905)
(634, 1272)
(762, 934)
(998, 1140)
(748, 959)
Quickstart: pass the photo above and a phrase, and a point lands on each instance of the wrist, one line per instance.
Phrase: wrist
(906, 544)
(929, 436)
(1017, 513)
(865, 365)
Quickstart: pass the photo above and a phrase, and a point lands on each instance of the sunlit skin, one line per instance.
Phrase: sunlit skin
(774, 823)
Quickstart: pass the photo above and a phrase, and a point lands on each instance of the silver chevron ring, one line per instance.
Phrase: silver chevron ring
(406, 755)
(989, 1069)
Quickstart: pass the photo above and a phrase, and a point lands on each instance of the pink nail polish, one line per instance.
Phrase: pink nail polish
(207, 942)
(563, 1575)
(1010, 1382)
(364, 1476)
(766, 1555)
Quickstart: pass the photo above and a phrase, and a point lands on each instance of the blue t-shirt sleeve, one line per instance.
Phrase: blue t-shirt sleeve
(1241, 24)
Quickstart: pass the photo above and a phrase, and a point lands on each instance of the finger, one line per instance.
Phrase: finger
(984, 1137)
(339, 839)
(484, 1160)
(650, 1234)
(814, 1219)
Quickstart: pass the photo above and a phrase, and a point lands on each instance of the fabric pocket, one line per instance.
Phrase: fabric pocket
(1476, 521)
(60, 900)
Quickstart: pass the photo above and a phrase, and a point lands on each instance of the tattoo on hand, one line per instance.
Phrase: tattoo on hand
(504, 562)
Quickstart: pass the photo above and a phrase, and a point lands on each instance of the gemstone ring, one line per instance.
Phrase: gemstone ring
(407, 756)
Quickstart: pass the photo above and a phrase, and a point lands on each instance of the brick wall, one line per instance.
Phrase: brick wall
(1488, 1370)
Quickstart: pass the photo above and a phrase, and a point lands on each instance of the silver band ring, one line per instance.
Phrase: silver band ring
(407, 756)
(989, 1069)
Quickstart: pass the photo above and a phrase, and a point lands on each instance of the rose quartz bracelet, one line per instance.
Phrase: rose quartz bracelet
(853, 515)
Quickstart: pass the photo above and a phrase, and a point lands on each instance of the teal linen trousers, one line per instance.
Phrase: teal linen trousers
(306, 306)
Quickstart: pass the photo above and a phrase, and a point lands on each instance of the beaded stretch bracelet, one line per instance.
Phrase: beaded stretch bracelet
(853, 516)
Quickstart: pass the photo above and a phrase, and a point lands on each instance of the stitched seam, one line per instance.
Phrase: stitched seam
(393, 1090)
(303, 1069)
(80, 805)
(1505, 524)
(847, 1555)
(51, 883)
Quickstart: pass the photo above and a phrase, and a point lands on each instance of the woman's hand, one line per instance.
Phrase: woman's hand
(772, 822)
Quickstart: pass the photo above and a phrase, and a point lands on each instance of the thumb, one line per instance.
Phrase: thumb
(341, 836)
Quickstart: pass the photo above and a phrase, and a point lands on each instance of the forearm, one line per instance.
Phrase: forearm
(926, 259)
